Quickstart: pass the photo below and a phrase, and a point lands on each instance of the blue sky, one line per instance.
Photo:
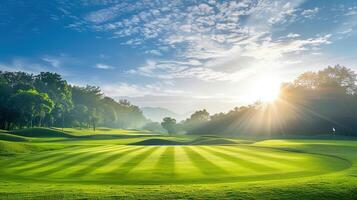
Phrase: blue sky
(182, 55)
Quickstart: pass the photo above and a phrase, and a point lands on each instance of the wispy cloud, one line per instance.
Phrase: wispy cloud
(52, 61)
(29, 66)
(293, 35)
(134, 90)
(154, 52)
(310, 13)
(351, 11)
(103, 66)
(211, 40)
(261, 54)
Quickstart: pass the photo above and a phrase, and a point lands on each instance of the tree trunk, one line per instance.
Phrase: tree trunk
(39, 121)
(6, 125)
(93, 125)
(62, 121)
(31, 125)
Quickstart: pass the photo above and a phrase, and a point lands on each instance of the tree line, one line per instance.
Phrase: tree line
(315, 103)
(46, 99)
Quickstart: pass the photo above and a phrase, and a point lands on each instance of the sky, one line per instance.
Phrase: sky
(180, 55)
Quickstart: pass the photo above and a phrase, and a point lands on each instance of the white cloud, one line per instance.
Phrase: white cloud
(154, 52)
(214, 40)
(135, 90)
(261, 53)
(104, 15)
(351, 13)
(29, 66)
(310, 13)
(52, 61)
(349, 30)
(103, 66)
(293, 35)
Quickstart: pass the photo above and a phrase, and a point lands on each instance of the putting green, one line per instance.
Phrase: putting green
(121, 164)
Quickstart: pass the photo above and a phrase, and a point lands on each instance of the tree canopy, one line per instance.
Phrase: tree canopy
(316, 103)
(28, 100)
(169, 124)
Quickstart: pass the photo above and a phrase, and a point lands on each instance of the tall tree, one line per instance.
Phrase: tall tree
(73, 106)
(30, 104)
(169, 124)
(197, 119)
(59, 91)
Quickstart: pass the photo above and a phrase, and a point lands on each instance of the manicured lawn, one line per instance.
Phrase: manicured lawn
(119, 168)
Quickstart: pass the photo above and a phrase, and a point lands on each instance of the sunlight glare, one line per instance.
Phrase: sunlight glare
(267, 89)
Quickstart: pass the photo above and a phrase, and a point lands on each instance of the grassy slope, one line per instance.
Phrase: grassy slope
(5, 136)
(204, 161)
(103, 131)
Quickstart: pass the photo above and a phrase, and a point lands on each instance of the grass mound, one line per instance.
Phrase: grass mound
(157, 142)
(81, 132)
(40, 132)
(212, 141)
(9, 137)
(11, 148)
(204, 140)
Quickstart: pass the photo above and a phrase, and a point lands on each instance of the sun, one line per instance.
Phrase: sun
(267, 89)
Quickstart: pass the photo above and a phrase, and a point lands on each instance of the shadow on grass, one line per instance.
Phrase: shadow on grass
(58, 157)
(239, 161)
(166, 163)
(126, 167)
(103, 162)
(72, 161)
(203, 164)
(289, 162)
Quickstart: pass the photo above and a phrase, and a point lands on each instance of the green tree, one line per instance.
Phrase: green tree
(72, 105)
(80, 114)
(153, 126)
(31, 104)
(338, 76)
(169, 124)
(59, 91)
(197, 119)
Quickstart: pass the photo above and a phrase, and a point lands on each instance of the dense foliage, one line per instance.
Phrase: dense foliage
(169, 124)
(316, 103)
(46, 99)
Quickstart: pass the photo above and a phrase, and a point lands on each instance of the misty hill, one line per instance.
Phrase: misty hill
(158, 113)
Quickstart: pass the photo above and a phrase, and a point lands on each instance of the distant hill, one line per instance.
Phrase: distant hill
(157, 114)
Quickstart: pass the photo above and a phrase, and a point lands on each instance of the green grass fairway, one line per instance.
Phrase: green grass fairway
(120, 164)
(71, 168)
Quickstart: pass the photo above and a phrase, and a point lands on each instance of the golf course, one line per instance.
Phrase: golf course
(113, 163)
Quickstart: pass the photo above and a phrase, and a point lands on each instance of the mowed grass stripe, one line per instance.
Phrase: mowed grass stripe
(184, 165)
(147, 166)
(240, 160)
(272, 154)
(73, 161)
(226, 164)
(47, 162)
(165, 166)
(72, 170)
(130, 164)
(94, 164)
(259, 160)
(272, 162)
(50, 161)
(110, 169)
(203, 164)
(241, 166)
(23, 160)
